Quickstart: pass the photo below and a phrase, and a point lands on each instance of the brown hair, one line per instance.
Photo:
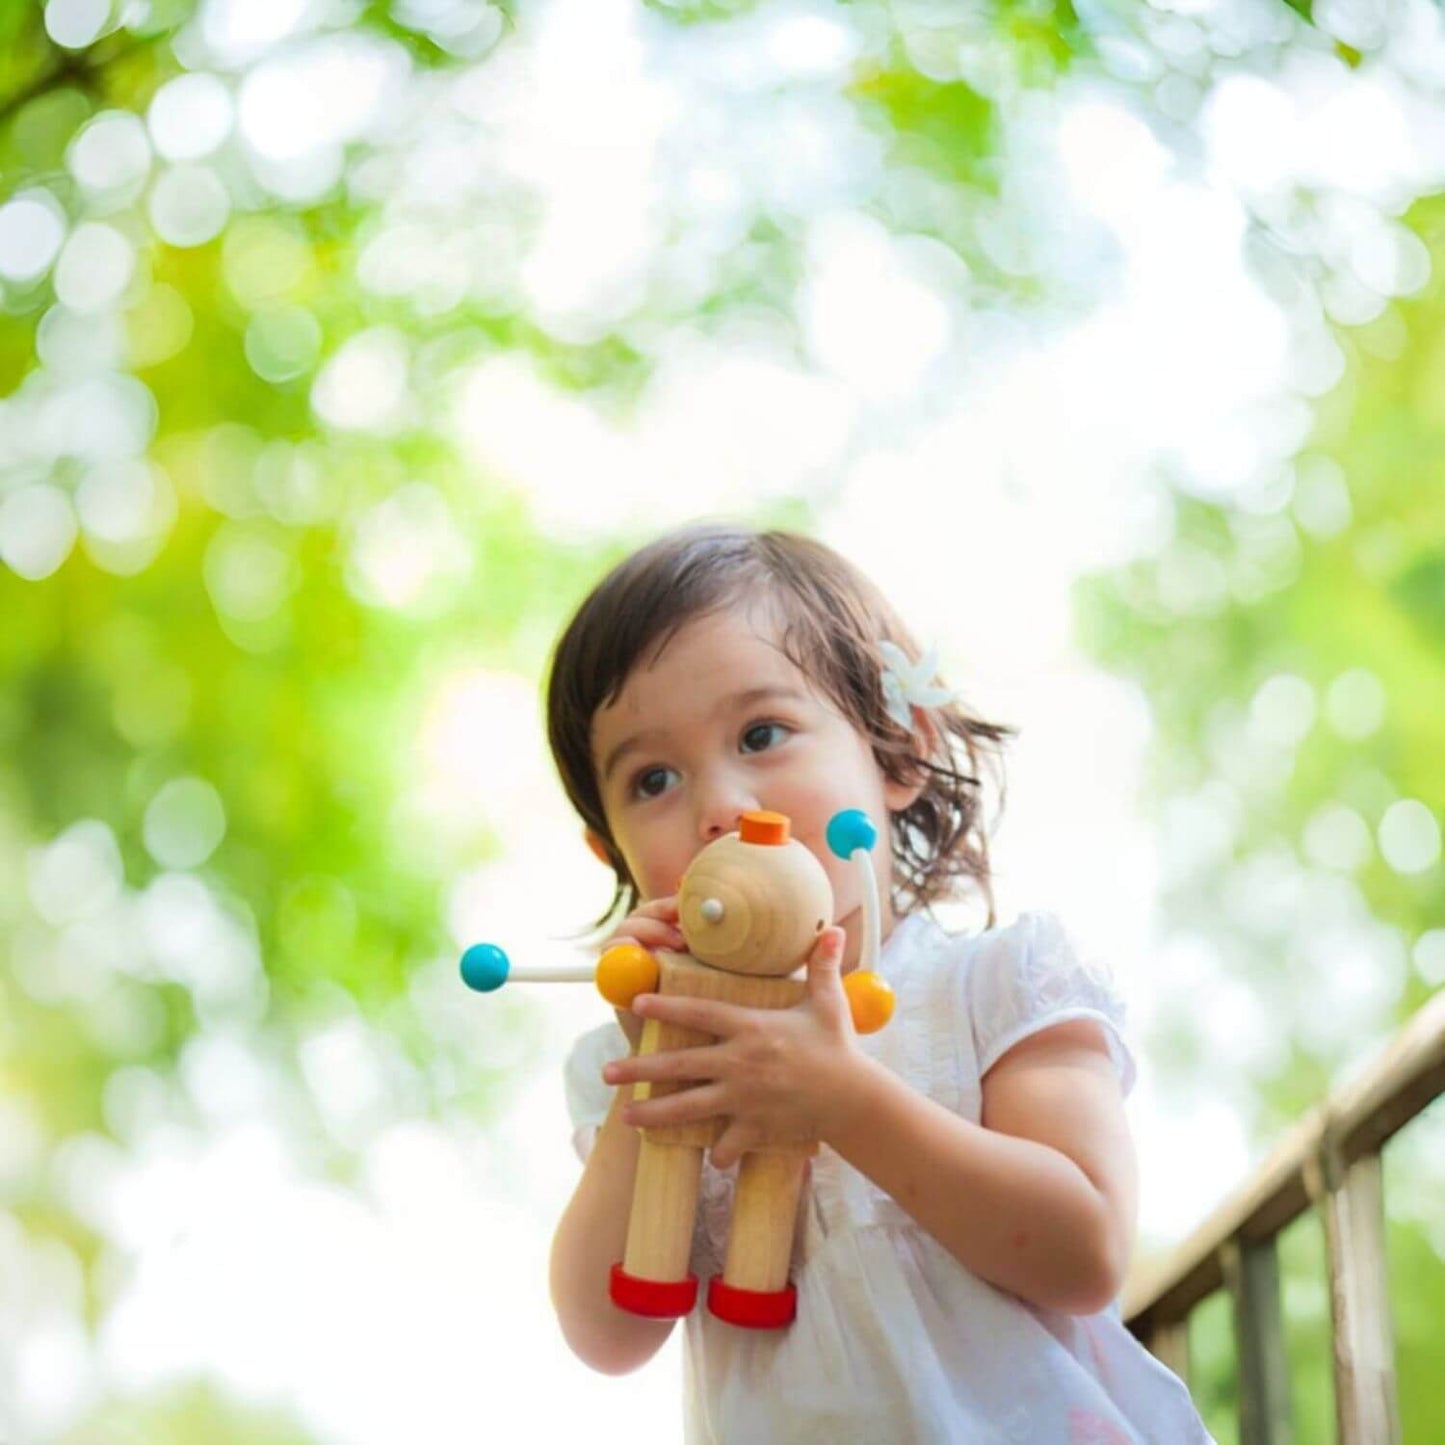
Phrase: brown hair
(832, 618)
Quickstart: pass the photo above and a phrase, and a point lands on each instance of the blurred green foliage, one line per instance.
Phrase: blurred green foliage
(235, 639)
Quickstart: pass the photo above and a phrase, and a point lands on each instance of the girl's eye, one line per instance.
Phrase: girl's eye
(761, 736)
(650, 783)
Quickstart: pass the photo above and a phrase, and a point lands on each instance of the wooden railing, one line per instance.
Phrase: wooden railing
(1330, 1160)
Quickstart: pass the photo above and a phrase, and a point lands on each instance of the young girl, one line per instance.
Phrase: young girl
(968, 1220)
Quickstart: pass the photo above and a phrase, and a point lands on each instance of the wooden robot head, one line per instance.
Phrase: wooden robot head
(755, 901)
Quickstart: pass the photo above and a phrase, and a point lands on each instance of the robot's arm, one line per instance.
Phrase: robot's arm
(851, 835)
(624, 971)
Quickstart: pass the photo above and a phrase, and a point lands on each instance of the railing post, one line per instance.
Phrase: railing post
(1169, 1344)
(1352, 1198)
(1251, 1273)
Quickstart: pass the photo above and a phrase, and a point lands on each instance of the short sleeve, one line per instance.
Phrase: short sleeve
(1028, 977)
(588, 1098)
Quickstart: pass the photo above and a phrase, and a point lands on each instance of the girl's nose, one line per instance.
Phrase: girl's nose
(716, 827)
(721, 806)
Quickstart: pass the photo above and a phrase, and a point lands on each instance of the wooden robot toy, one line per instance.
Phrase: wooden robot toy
(751, 906)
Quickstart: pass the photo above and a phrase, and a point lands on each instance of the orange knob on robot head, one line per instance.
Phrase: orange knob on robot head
(762, 826)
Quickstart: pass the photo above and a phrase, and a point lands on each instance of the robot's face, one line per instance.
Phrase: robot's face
(754, 908)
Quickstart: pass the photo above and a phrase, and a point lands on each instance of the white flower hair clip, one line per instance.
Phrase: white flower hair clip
(907, 685)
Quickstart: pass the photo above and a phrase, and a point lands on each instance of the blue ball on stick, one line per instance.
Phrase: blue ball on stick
(485, 967)
(850, 830)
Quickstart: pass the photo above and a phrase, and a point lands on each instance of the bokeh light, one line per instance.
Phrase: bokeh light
(32, 227)
(190, 117)
(95, 267)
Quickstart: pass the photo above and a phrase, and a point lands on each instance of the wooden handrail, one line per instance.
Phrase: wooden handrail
(1330, 1159)
(1353, 1122)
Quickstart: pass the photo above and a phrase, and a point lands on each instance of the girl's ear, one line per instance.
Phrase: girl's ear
(901, 795)
(598, 847)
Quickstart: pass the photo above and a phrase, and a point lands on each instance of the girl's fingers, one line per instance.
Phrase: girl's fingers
(672, 1065)
(665, 908)
(653, 925)
(731, 1147)
(826, 959)
(706, 1015)
(650, 933)
(703, 1102)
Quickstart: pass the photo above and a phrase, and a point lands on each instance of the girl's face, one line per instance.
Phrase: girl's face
(722, 722)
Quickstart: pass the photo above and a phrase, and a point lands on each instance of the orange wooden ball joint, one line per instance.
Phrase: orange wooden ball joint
(625, 971)
(870, 1000)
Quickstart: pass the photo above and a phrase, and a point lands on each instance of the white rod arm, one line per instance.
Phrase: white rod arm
(485, 968)
(872, 921)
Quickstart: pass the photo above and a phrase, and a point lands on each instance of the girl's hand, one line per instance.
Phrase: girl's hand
(776, 1075)
(653, 925)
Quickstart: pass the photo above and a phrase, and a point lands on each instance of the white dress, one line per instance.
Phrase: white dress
(895, 1341)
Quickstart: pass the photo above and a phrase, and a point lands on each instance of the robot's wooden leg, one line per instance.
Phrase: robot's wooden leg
(753, 1289)
(653, 1278)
